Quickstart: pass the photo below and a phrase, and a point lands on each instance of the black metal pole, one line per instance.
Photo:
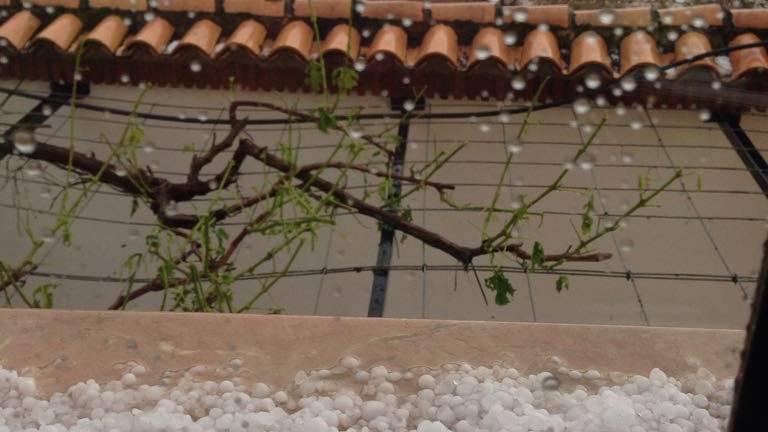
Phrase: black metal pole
(747, 414)
(730, 124)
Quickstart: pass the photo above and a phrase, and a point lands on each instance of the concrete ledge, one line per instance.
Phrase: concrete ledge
(61, 348)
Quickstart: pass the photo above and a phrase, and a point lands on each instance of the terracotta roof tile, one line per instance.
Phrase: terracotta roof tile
(203, 35)
(187, 5)
(554, 15)
(440, 41)
(70, 4)
(61, 32)
(589, 49)
(489, 43)
(19, 29)
(637, 50)
(270, 8)
(155, 36)
(342, 39)
(480, 12)
(541, 45)
(748, 60)
(323, 8)
(133, 5)
(750, 18)
(296, 36)
(620, 17)
(393, 9)
(699, 16)
(109, 33)
(390, 40)
(691, 44)
(249, 34)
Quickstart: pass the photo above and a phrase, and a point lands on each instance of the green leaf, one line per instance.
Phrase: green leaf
(537, 256)
(562, 283)
(499, 283)
(315, 76)
(587, 222)
(188, 148)
(277, 311)
(326, 120)
(345, 78)
(42, 296)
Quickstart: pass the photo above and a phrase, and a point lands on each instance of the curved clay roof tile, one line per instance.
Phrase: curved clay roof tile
(691, 44)
(69, 4)
(554, 15)
(133, 5)
(746, 60)
(712, 14)
(489, 42)
(343, 38)
(250, 34)
(19, 28)
(296, 36)
(187, 5)
(62, 31)
(256, 7)
(390, 39)
(109, 33)
(589, 48)
(637, 49)
(750, 18)
(618, 17)
(440, 40)
(203, 34)
(323, 8)
(540, 44)
(393, 9)
(155, 35)
(480, 12)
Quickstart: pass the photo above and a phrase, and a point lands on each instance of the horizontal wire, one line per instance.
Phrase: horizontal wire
(701, 277)
(415, 209)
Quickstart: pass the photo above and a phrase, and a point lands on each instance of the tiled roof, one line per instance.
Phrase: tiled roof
(461, 49)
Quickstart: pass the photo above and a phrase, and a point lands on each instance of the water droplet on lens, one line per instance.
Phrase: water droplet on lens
(48, 235)
(592, 81)
(587, 161)
(33, 169)
(626, 245)
(581, 106)
(409, 105)
(627, 157)
(651, 73)
(518, 83)
(520, 15)
(24, 141)
(172, 209)
(705, 115)
(628, 83)
(484, 127)
(636, 124)
(360, 64)
(407, 22)
(510, 38)
(606, 16)
(133, 234)
(195, 66)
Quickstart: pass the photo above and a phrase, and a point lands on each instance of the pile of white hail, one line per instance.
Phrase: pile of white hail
(455, 397)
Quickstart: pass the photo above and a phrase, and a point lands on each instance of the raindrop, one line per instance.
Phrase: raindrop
(149, 16)
(651, 73)
(366, 33)
(191, 14)
(406, 80)
(24, 141)
(518, 181)
(672, 35)
(618, 31)
(699, 22)
(626, 245)
(47, 110)
(484, 127)
(379, 56)
(355, 133)
(587, 161)
(581, 106)
(202, 117)
(213, 185)
(606, 16)
(601, 101)
(628, 83)
(3, 59)
(520, 15)
(533, 66)
(516, 203)
(120, 171)
(409, 105)
(195, 66)
(636, 124)
(3, 41)
(407, 22)
(48, 235)
(717, 85)
(705, 115)
(518, 83)
(627, 157)
(724, 63)
(133, 234)
(33, 169)
(504, 117)
(172, 209)
(78, 76)
(620, 111)
(50, 10)
(510, 38)
(568, 164)
(360, 7)
(45, 193)
(360, 64)
(514, 147)
(127, 21)
(154, 165)
(124, 78)
(149, 147)
(592, 81)
(482, 52)
(573, 123)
